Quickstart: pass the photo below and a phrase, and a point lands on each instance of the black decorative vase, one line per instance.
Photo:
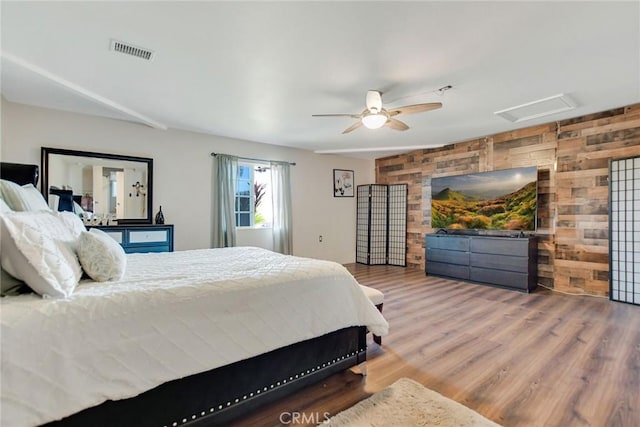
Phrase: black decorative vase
(160, 217)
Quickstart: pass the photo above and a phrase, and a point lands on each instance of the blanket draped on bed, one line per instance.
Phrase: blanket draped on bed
(172, 315)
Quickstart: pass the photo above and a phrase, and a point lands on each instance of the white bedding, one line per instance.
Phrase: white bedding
(172, 315)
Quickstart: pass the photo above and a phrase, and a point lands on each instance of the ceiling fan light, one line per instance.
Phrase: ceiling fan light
(374, 121)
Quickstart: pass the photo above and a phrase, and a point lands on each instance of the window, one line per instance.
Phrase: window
(253, 196)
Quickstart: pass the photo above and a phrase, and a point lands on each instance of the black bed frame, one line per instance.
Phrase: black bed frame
(220, 395)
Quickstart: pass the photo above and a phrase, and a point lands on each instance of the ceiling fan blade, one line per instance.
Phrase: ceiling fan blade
(353, 127)
(374, 101)
(354, 116)
(416, 108)
(396, 124)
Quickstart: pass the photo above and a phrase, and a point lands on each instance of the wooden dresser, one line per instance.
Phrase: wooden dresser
(141, 237)
(507, 262)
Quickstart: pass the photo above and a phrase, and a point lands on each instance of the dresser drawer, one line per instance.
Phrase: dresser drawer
(450, 257)
(148, 236)
(448, 242)
(500, 246)
(448, 270)
(516, 264)
(118, 236)
(509, 279)
(132, 249)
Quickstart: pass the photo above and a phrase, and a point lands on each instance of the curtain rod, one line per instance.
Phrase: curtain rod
(257, 160)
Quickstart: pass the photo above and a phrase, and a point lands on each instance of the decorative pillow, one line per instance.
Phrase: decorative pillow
(102, 258)
(75, 226)
(25, 198)
(36, 248)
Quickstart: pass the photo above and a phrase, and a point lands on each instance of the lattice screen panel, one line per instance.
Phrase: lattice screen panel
(381, 224)
(378, 225)
(362, 225)
(624, 226)
(397, 235)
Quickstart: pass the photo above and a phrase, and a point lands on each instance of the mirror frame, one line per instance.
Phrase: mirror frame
(44, 164)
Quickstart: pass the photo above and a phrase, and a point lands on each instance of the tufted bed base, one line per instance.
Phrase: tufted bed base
(218, 396)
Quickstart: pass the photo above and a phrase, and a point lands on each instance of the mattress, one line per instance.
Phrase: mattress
(172, 315)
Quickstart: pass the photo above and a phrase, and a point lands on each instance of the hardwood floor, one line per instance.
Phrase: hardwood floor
(540, 359)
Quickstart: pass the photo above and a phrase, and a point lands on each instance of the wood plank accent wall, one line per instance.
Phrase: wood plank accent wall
(572, 157)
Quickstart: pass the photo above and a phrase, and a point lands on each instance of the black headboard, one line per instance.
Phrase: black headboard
(19, 173)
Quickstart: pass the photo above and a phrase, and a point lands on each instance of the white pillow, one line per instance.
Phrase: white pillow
(12, 194)
(25, 198)
(102, 258)
(34, 199)
(77, 209)
(54, 200)
(4, 207)
(36, 248)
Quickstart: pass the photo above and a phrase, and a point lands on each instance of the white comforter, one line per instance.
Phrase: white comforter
(173, 315)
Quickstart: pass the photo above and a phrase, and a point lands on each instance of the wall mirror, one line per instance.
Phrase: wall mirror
(99, 184)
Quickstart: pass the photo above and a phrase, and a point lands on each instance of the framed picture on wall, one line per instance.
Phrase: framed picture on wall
(342, 183)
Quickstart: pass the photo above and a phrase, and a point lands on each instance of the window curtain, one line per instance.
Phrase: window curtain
(281, 197)
(224, 197)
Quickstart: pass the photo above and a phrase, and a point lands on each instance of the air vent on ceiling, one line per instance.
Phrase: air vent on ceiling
(542, 107)
(132, 50)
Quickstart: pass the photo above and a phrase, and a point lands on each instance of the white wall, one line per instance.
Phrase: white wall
(183, 170)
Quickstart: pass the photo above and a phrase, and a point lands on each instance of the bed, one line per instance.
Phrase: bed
(185, 338)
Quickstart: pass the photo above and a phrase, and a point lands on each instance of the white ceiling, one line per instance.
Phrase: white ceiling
(258, 70)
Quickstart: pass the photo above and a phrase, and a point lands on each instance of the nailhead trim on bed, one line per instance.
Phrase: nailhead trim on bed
(267, 388)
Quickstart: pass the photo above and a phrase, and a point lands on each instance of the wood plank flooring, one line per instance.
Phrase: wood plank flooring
(540, 359)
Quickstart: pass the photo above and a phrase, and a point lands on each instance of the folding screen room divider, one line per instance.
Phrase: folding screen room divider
(381, 225)
(624, 230)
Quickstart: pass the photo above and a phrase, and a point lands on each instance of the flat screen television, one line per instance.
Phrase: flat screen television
(496, 200)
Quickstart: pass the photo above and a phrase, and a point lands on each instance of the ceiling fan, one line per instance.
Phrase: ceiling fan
(375, 116)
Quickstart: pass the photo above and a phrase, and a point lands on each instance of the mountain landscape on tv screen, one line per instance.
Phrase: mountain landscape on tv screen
(452, 209)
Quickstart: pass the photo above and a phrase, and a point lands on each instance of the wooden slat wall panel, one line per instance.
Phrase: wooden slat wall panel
(572, 157)
(582, 232)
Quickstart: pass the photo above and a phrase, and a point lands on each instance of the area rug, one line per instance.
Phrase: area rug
(406, 403)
